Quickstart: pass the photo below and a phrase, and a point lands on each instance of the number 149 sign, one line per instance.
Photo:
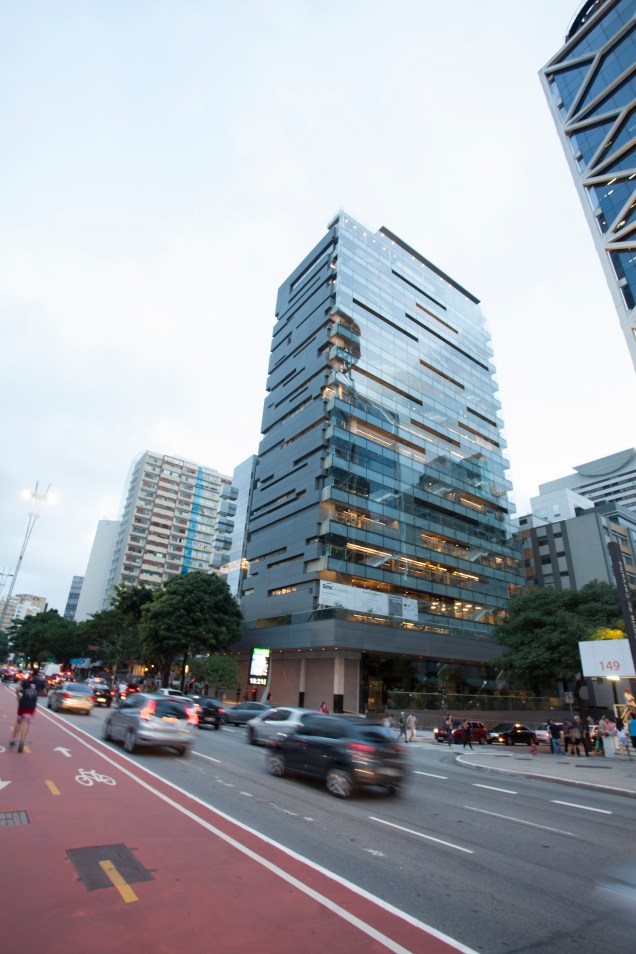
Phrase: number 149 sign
(607, 657)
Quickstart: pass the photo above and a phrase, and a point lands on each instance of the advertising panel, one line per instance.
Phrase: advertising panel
(259, 667)
(607, 657)
(367, 601)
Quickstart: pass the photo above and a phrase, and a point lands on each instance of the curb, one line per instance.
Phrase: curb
(575, 783)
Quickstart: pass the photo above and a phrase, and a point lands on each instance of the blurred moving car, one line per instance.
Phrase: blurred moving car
(345, 753)
(210, 711)
(274, 723)
(242, 712)
(170, 692)
(152, 720)
(510, 732)
(478, 732)
(72, 697)
(103, 692)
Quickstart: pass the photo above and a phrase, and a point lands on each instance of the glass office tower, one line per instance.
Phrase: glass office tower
(380, 548)
(591, 89)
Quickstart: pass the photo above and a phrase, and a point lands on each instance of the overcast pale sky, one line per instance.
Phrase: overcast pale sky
(166, 163)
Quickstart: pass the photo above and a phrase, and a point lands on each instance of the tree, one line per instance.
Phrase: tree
(220, 672)
(114, 639)
(46, 635)
(544, 626)
(193, 613)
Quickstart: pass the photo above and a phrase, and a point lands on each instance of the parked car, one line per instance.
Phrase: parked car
(72, 697)
(210, 711)
(152, 720)
(242, 712)
(510, 732)
(478, 731)
(274, 723)
(344, 753)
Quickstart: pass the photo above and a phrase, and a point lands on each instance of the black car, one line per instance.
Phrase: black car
(510, 732)
(103, 693)
(345, 753)
(210, 711)
(242, 712)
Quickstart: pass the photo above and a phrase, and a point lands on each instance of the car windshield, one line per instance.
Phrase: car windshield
(78, 688)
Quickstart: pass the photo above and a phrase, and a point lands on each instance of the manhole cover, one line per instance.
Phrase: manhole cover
(86, 862)
(13, 818)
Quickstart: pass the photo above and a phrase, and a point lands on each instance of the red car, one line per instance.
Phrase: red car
(478, 732)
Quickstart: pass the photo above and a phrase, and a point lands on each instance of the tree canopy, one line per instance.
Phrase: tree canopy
(544, 626)
(45, 636)
(193, 613)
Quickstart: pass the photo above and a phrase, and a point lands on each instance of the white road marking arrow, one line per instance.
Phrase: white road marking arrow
(4, 784)
(65, 752)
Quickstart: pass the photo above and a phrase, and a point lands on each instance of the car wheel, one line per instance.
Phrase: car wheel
(507, 741)
(250, 736)
(482, 740)
(129, 741)
(339, 783)
(185, 751)
(393, 788)
(276, 764)
(106, 731)
(217, 725)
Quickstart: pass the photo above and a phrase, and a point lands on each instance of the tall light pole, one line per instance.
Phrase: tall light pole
(36, 500)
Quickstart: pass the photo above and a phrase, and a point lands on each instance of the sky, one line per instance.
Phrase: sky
(165, 164)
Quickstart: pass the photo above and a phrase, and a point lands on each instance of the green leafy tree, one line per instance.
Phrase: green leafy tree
(109, 636)
(45, 636)
(130, 601)
(543, 628)
(220, 672)
(194, 613)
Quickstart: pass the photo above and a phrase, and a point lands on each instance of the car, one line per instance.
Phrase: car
(103, 693)
(478, 732)
(345, 753)
(169, 692)
(274, 723)
(242, 712)
(510, 732)
(73, 697)
(152, 719)
(210, 711)
(125, 689)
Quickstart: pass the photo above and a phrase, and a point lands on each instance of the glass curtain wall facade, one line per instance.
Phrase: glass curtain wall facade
(591, 89)
(380, 522)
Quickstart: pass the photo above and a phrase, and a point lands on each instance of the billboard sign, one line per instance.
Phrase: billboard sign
(259, 667)
(607, 657)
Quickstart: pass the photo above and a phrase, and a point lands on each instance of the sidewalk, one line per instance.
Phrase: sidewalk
(616, 775)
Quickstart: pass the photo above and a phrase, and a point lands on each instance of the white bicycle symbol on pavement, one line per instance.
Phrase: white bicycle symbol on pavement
(90, 776)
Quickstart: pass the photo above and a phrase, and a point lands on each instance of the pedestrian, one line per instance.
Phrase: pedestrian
(323, 708)
(468, 735)
(576, 736)
(449, 729)
(555, 737)
(27, 694)
(411, 725)
(402, 727)
(608, 732)
(387, 721)
(565, 733)
(632, 730)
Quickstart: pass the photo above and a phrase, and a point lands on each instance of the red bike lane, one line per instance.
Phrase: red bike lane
(96, 850)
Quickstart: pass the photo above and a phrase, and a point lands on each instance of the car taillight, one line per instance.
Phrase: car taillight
(220, 711)
(360, 748)
(67, 695)
(148, 710)
(192, 715)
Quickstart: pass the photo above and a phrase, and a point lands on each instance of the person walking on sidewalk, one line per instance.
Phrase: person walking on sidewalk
(402, 727)
(576, 736)
(555, 738)
(27, 694)
(411, 725)
(632, 730)
(449, 729)
(468, 735)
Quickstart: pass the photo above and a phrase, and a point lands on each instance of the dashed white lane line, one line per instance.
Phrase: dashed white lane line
(492, 788)
(585, 808)
(430, 775)
(418, 834)
(521, 821)
(208, 757)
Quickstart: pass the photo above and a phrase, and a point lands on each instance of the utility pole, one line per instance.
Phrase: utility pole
(36, 500)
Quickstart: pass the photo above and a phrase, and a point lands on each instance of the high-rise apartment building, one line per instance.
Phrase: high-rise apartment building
(381, 550)
(591, 88)
(169, 522)
(94, 594)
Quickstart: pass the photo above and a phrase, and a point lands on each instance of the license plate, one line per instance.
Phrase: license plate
(169, 720)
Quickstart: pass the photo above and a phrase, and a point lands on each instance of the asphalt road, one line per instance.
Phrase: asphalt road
(501, 866)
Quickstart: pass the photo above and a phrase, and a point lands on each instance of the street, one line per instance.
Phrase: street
(500, 865)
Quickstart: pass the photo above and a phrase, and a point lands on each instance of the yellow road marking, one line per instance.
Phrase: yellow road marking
(52, 787)
(122, 886)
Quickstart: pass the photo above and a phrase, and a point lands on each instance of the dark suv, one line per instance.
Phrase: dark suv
(478, 732)
(345, 753)
(210, 711)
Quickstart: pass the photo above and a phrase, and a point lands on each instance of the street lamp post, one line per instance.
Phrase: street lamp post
(36, 500)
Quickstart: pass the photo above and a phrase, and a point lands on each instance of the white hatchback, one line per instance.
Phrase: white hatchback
(274, 724)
